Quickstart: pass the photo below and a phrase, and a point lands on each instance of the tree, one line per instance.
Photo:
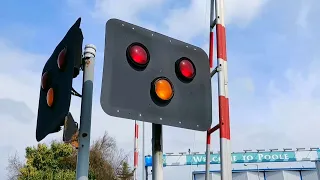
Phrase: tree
(14, 166)
(58, 162)
(125, 172)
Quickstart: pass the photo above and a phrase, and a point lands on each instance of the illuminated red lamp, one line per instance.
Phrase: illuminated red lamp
(138, 56)
(62, 63)
(185, 69)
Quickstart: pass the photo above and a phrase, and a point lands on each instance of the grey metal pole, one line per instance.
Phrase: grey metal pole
(211, 52)
(143, 155)
(146, 172)
(157, 155)
(318, 168)
(212, 16)
(258, 171)
(86, 111)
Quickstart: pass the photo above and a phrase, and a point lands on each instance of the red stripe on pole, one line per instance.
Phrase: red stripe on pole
(135, 161)
(211, 53)
(136, 131)
(221, 42)
(224, 117)
(208, 138)
(136, 153)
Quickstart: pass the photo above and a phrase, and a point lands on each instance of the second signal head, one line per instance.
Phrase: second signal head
(138, 56)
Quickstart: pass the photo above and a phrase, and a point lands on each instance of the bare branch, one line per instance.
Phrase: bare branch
(14, 166)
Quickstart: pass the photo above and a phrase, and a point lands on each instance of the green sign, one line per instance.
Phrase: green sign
(318, 152)
(244, 158)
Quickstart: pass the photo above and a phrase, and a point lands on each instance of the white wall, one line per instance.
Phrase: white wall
(216, 176)
(200, 177)
(254, 176)
(291, 175)
(240, 176)
(309, 175)
(277, 175)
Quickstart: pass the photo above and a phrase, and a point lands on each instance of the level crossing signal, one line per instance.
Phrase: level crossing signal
(56, 82)
(154, 78)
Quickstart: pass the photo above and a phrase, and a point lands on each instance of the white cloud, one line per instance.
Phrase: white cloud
(305, 10)
(127, 10)
(185, 22)
(189, 22)
(19, 84)
(297, 108)
(302, 19)
(15, 60)
(244, 11)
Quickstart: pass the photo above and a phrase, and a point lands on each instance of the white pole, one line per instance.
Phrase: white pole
(143, 155)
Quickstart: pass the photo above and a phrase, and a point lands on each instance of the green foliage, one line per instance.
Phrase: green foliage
(44, 158)
(53, 175)
(48, 163)
(58, 162)
(125, 173)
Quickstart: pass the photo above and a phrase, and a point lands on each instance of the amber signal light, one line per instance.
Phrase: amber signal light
(50, 97)
(162, 90)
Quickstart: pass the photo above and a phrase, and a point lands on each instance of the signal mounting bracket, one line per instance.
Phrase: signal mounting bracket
(215, 70)
(75, 93)
(83, 62)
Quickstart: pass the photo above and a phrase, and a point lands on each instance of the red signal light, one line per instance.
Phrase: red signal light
(138, 55)
(62, 59)
(45, 81)
(185, 69)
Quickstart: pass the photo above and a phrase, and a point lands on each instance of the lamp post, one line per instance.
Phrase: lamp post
(257, 168)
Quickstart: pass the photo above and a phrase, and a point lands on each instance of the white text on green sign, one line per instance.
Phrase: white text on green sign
(244, 157)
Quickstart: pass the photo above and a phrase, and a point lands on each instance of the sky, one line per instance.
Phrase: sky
(273, 60)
